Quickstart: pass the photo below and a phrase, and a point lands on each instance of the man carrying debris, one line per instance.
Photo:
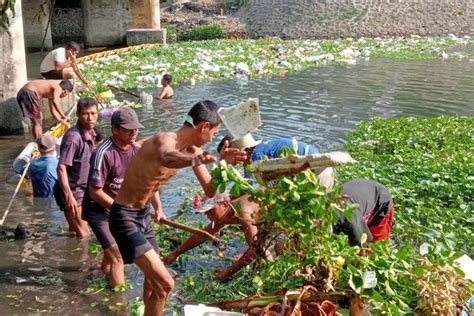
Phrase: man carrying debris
(156, 162)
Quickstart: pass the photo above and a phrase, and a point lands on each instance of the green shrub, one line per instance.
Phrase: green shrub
(203, 32)
(171, 33)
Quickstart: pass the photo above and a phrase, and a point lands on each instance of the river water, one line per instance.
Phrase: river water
(319, 106)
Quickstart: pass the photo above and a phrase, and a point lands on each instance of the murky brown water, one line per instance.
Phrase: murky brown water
(319, 106)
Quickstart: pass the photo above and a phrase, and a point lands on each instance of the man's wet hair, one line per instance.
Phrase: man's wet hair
(168, 78)
(204, 111)
(85, 103)
(65, 84)
(73, 46)
(221, 144)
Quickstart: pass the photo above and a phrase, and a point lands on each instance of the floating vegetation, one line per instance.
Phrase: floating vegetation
(191, 62)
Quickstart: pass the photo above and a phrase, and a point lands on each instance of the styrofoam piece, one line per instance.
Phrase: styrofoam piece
(203, 310)
(467, 266)
(242, 118)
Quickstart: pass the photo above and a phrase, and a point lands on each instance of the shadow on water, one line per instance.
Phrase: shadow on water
(318, 106)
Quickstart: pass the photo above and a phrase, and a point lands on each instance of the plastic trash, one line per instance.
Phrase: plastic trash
(24, 157)
(203, 310)
(146, 98)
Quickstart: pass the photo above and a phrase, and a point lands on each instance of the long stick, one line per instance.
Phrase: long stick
(16, 191)
(126, 91)
(189, 229)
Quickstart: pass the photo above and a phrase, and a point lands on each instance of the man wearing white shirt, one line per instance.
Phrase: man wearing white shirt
(58, 63)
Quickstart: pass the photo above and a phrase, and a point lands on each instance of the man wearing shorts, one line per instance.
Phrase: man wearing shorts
(156, 162)
(73, 169)
(29, 99)
(58, 63)
(374, 213)
(107, 169)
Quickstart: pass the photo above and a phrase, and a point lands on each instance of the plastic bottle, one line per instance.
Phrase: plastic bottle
(24, 157)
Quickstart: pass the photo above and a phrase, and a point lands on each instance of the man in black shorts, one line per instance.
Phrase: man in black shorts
(156, 162)
(107, 169)
(29, 99)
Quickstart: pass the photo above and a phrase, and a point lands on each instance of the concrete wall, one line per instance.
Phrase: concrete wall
(35, 19)
(12, 73)
(357, 18)
(106, 21)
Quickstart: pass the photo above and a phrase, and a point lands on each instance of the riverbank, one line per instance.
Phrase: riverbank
(191, 62)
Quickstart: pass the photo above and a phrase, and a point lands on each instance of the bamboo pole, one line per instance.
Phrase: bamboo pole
(190, 229)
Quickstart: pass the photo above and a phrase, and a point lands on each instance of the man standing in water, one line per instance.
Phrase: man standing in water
(155, 163)
(107, 169)
(73, 169)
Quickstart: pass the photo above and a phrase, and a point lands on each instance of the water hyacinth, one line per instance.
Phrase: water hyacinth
(218, 59)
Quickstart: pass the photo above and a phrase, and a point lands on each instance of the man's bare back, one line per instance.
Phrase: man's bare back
(146, 172)
(44, 88)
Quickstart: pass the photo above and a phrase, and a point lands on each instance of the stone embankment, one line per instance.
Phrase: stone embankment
(357, 18)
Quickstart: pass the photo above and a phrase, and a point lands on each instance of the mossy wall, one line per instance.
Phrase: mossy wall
(357, 18)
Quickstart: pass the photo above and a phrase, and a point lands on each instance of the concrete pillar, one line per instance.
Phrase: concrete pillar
(35, 23)
(155, 14)
(12, 74)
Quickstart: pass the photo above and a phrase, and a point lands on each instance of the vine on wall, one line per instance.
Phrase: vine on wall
(7, 10)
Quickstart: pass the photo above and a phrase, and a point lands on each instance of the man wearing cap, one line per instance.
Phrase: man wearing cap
(107, 169)
(43, 171)
(73, 169)
(29, 100)
(155, 163)
(222, 214)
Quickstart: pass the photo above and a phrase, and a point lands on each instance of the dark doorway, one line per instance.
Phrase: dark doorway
(67, 22)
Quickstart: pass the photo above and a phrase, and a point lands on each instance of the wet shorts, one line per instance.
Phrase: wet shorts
(98, 219)
(381, 231)
(132, 231)
(29, 103)
(53, 74)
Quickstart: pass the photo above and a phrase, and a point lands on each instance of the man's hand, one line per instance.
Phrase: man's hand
(71, 204)
(203, 159)
(158, 216)
(65, 122)
(232, 156)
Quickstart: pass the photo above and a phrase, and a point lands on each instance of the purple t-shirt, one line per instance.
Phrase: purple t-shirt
(75, 152)
(108, 164)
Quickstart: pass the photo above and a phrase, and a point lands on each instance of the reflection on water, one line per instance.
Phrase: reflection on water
(318, 106)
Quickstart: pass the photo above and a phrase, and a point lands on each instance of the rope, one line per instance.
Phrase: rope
(117, 51)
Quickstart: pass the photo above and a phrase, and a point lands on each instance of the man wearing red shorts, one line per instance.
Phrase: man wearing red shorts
(374, 213)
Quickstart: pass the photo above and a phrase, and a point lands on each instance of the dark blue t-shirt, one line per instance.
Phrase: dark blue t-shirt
(44, 174)
(272, 148)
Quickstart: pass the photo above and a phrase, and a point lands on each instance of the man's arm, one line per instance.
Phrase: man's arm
(78, 72)
(156, 202)
(71, 202)
(55, 105)
(61, 65)
(205, 179)
(98, 195)
(174, 159)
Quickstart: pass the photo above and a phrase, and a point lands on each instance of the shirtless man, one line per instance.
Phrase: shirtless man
(29, 99)
(167, 92)
(58, 63)
(155, 163)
